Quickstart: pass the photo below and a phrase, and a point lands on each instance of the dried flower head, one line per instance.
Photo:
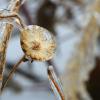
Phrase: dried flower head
(37, 43)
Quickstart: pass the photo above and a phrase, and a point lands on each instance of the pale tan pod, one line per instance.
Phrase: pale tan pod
(37, 43)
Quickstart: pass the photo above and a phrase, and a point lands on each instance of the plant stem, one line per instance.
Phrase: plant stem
(13, 15)
(6, 30)
(12, 72)
(55, 83)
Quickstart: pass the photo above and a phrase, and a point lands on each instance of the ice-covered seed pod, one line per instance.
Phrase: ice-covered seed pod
(37, 43)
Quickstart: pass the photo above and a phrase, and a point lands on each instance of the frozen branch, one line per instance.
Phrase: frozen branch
(6, 30)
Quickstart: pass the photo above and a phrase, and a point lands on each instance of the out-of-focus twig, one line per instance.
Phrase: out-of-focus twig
(11, 72)
(27, 14)
(14, 85)
(46, 15)
(25, 74)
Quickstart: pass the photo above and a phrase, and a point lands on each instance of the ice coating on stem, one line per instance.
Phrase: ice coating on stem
(55, 83)
(12, 18)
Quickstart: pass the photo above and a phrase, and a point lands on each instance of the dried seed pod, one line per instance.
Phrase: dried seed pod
(37, 43)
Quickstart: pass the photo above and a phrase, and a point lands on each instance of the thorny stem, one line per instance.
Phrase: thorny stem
(12, 72)
(6, 30)
(55, 83)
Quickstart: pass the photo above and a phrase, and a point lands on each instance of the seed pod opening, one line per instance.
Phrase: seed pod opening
(37, 43)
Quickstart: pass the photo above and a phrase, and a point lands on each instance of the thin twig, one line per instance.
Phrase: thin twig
(27, 75)
(51, 63)
(11, 73)
(55, 83)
